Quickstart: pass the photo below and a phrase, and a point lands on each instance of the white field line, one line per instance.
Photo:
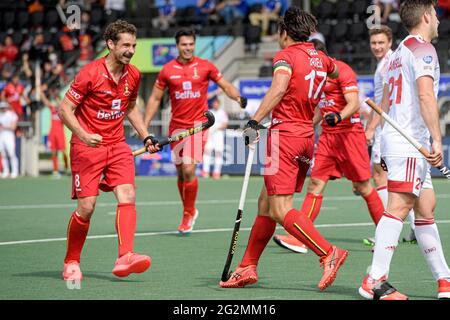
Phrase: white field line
(176, 202)
(149, 234)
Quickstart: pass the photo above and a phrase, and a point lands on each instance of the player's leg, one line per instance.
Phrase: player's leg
(206, 167)
(77, 231)
(5, 161)
(373, 200)
(55, 164)
(128, 261)
(429, 240)
(218, 153)
(188, 188)
(402, 174)
(262, 230)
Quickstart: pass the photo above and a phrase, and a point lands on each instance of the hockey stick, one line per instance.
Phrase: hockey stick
(180, 136)
(237, 223)
(443, 169)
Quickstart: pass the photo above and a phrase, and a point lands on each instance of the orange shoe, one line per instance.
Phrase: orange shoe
(187, 223)
(72, 271)
(367, 285)
(204, 174)
(216, 175)
(241, 277)
(331, 264)
(290, 242)
(131, 263)
(444, 288)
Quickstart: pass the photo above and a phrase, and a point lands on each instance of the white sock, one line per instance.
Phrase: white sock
(206, 162)
(411, 219)
(383, 193)
(386, 241)
(218, 162)
(427, 236)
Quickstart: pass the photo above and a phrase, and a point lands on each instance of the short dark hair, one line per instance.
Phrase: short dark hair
(184, 32)
(411, 11)
(117, 27)
(382, 29)
(319, 45)
(298, 24)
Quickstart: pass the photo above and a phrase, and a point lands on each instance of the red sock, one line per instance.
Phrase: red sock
(125, 227)
(301, 227)
(55, 162)
(262, 230)
(375, 206)
(190, 195)
(180, 185)
(77, 231)
(311, 205)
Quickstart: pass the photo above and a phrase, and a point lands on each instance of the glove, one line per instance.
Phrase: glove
(333, 118)
(383, 165)
(153, 140)
(243, 102)
(251, 133)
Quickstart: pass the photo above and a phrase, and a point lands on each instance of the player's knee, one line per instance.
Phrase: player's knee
(364, 187)
(86, 210)
(315, 186)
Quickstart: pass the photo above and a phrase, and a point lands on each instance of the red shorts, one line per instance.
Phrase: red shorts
(105, 167)
(188, 149)
(284, 171)
(56, 141)
(341, 153)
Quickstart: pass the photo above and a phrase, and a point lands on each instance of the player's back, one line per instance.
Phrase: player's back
(308, 70)
(413, 59)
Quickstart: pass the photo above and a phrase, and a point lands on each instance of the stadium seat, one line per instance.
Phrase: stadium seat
(326, 10)
(336, 48)
(357, 31)
(2, 37)
(394, 26)
(207, 31)
(22, 19)
(9, 18)
(401, 33)
(52, 19)
(343, 10)
(97, 16)
(237, 30)
(223, 30)
(36, 19)
(340, 31)
(252, 34)
(444, 28)
(154, 33)
(17, 37)
(325, 29)
(170, 32)
(359, 9)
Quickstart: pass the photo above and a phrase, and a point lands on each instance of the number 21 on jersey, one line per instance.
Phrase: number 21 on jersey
(395, 89)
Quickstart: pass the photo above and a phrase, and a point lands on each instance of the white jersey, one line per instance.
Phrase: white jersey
(220, 117)
(7, 119)
(414, 58)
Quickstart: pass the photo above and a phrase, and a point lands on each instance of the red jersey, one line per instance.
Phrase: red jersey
(57, 126)
(12, 94)
(308, 69)
(101, 103)
(188, 89)
(333, 99)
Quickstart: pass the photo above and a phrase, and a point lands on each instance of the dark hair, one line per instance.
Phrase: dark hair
(411, 11)
(382, 29)
(117, 27)
(298, 24)
(184, 32)
(319, 45)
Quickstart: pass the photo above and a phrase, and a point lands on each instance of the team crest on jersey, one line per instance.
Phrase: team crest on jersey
(116, 104)
(187, 85)
(126, 91)
(195, 76)
(427, 59)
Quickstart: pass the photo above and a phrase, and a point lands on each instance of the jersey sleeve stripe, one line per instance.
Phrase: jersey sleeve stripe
(283, 69)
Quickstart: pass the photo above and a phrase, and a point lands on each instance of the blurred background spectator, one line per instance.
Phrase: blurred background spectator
(230, 10)
(166, 15)
(270, 11)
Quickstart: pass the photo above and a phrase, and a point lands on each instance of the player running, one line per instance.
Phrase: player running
(409, 96)
(300, 72)
(380, 44)
(187, 79)
(341, 149)
(102, 94)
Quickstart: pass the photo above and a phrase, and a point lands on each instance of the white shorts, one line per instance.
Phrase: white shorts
(216, 141)
(408, 175)
(376, 147)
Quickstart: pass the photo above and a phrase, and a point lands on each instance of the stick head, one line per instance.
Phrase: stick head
(210, 118)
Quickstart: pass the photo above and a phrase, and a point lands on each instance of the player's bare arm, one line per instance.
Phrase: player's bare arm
(273, 96)
(385, 103)
(430, 114)
(69, 119)
(152, 105)
(317, 116)
(229, 90)
(372, 123)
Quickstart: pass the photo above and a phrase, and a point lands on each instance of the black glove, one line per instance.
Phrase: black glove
(243, 102)
(383, 165)
(251, 133)
(333, 118)
(151, 138)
